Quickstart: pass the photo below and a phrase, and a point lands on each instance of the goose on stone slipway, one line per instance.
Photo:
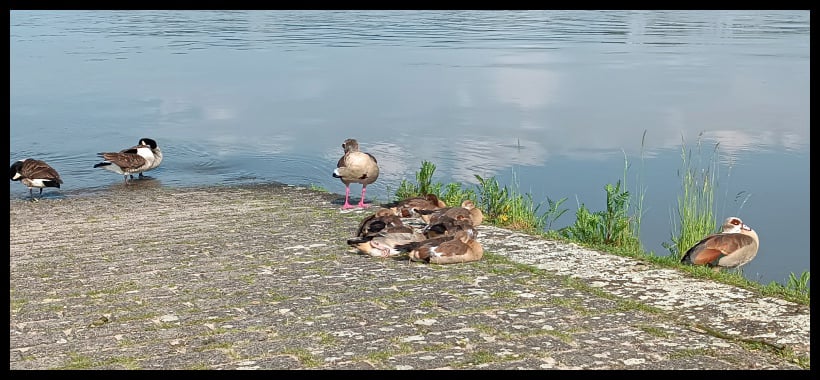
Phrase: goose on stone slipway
(383, 220)
(34, 173)
(409, 207)
(386, 244)
(446, 225)
(735, 246)
(467, 210)
(461, 247)
(356, 167)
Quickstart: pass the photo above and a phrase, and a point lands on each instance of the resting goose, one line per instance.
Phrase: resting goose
(385, 244)
(466, 211)
(446, 225)
(34, 173)
(733, 247)
(358, 167)
(408, 207)
(383, 220)
(462, 247)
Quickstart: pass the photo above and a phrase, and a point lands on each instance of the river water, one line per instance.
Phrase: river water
(554, 103)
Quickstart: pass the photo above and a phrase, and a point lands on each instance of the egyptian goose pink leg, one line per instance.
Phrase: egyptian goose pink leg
(361, 201)
(347, 204)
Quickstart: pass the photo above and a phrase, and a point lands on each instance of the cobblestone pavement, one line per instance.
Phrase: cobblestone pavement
(260, 277)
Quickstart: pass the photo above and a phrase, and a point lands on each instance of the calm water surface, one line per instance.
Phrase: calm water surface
(553, 101)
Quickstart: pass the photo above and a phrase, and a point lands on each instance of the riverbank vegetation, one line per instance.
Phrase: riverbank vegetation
(616, 229)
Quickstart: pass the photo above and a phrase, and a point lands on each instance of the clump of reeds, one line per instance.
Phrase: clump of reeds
(695, 211)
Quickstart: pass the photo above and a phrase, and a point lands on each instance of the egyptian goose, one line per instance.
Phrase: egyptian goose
(382, 220)
(406, 208)
(358, 167)
(446, 225)
(154, 149)
(131, 161)
(34, 173)
(467, 210)
(461, 248)
(733, 247)
(386, 244)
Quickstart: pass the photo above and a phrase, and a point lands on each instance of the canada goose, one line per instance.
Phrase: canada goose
(358, 167)
(34, 173)
(461, 248)
(733, 247)
(154, 149)
(131, 161)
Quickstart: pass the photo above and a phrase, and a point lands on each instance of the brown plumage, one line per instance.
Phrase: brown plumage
(129, 161)
(446, 225)
(356, 167)
(462, 247)
(733, 247)
(383, 220)
(467, 210)
(34, 173)
(385, 244)
(155, 149)
(406, 208)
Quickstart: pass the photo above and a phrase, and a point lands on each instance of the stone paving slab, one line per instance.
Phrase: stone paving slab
(260, 277)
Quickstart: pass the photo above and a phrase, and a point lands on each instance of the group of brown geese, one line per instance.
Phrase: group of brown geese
(449, 234)
(441, 235)
(444, 235)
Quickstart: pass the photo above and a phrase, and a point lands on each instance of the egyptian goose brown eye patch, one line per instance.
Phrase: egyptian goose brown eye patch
(731, 248)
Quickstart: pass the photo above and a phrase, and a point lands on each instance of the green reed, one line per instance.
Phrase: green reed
(423, 185)
(507, 206)
(696, 217)
(637, 206)
(452, 195)
(799, 284)
(554, 211)
(611, 227)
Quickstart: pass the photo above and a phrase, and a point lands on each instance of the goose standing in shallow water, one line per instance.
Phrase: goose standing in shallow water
(129, 162)
(34, 173)
(356, 167)
(733, 247)
(154, 149)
